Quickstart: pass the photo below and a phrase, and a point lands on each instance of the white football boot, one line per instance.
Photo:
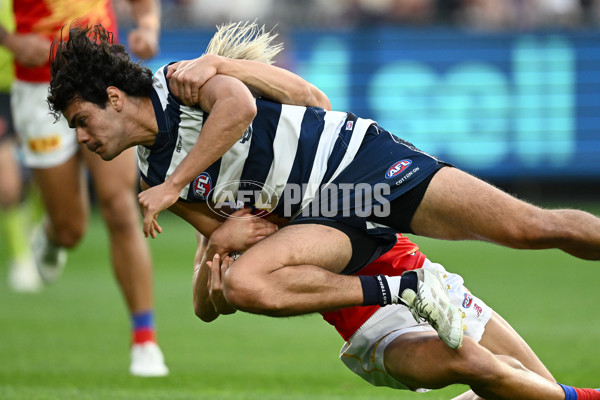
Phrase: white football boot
(49, 258)
(23, 276)
(147, 361)
(432, 304)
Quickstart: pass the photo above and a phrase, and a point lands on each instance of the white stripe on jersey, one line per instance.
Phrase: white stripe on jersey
(285, 142)
(142, 158)
(230, 170)
(334, 120)
(360, 128)
(160, 85)
(187, 135)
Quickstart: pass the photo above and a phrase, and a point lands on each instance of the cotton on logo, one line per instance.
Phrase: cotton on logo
(397, 168)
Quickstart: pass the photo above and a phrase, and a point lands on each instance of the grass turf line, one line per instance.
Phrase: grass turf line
(72, 340)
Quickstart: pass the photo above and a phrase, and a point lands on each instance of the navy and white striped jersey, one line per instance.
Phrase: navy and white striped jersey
(285, 157)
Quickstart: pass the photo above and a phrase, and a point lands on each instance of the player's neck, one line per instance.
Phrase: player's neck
(144, 127)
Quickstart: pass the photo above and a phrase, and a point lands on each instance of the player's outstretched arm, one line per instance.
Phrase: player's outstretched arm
(264, 80)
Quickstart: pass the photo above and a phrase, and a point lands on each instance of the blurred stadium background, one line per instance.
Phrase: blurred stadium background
(508, 90)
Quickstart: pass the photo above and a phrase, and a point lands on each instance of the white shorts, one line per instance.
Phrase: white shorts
(363, 353)
(45, 142)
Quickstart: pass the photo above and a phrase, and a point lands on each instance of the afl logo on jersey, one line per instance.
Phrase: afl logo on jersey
(397, 168)
(202, 186)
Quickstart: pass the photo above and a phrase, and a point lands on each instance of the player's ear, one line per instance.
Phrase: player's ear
(115, 98)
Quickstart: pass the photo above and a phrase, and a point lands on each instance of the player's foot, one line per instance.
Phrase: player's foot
(432, 304)
(24, 277)
(147, 361)
(49, 258)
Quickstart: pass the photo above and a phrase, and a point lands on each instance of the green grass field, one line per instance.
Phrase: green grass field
(71, 340)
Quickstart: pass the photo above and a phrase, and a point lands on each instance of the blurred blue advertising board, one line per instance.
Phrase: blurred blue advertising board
(500, 105)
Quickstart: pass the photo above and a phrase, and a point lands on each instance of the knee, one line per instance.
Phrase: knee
(119, 211)
(9, 197)
(68, 233)
(248, 291)
(474, 364)
(512, 362)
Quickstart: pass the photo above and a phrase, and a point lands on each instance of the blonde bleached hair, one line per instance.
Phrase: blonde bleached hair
(244, 41)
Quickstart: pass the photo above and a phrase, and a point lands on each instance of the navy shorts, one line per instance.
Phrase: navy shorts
(376, 196)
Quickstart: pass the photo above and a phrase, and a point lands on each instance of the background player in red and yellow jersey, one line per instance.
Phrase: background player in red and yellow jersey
(14, 216)
(50, 149)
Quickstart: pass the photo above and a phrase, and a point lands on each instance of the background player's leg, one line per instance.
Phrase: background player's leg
(66, 203)
(14, 221)
(115, 183)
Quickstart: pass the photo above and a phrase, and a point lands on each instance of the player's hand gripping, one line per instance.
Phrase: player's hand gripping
(241, 230)
(217, 270)
(187, 77)
(153, 201)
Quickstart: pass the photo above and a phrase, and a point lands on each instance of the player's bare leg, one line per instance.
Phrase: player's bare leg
(279, 275)
(458, 206)
(65, 199)
(501, 339)
(421, 360)
(66, 203)
(23, 274)
(115, 182)
(10, 178)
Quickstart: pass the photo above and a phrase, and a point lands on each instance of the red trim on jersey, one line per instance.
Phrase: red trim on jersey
(47, 17)
(404, 256)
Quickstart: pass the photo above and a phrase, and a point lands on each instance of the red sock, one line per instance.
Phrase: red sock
(587, 394)
(143, 327)
(143, 335)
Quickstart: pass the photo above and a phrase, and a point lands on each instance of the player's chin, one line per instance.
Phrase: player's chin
(106, 156)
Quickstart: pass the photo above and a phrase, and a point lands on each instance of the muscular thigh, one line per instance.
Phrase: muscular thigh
(306, 244)
(458, 206)
(63, 191)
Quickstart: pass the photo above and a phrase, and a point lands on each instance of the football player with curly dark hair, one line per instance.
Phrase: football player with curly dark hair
(91, 51)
